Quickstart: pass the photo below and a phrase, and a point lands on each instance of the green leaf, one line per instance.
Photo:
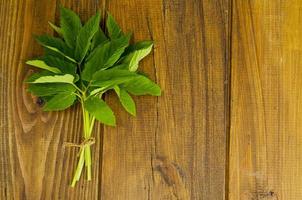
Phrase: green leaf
(113, 28)
(105, 85)
(55, 44)
(109, 74)
(85, 35)
(111, 77)
(104, 56)
(35, 76)
(141, 85)
(137, 53)
(97, 90)
(60, 101)
(126, 100)
(116, 49)
(100, 110)
(41, 64)
(62, 64)
(56, 28)
(46, 98)
(70, 25)
(49, 89)
(67, 78)
(121, 66)
(98, 38)
(49, 52)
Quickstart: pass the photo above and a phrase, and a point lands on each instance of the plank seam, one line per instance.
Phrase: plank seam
(101, 152)
(228, 96)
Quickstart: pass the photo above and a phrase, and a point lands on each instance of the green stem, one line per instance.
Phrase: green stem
(77, 88)
(85, 152)
(87, 148)
(79, 168)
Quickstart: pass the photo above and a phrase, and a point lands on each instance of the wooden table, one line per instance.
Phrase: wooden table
(228, 125)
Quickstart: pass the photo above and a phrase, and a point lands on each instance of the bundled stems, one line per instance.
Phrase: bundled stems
(85, 151)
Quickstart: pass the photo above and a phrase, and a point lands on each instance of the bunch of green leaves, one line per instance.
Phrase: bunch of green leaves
(81, 65)
(84, 62)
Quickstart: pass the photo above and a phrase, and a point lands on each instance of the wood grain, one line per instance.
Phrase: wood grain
(176, 147)
(266, 112)
(34, 164)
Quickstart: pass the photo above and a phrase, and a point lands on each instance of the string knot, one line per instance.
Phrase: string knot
(87, 142)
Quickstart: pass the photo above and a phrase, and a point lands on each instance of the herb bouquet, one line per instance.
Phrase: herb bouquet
(81, 65)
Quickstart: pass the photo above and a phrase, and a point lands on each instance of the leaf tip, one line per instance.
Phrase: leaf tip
(45, 109)
(109, 14)
(158, 93)
(113, 123)
(133, 113)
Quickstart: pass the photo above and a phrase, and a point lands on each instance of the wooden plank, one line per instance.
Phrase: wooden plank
(33, 163)
(176, 147)
(266, 112)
